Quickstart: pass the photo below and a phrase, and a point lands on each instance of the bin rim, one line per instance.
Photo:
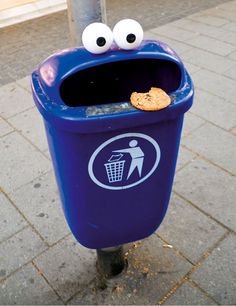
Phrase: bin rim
(47, 79)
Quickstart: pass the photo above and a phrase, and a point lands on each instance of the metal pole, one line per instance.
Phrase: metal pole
(110, 261)
(83, 12)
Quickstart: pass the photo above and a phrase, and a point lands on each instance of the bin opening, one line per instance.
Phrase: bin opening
(115, 81)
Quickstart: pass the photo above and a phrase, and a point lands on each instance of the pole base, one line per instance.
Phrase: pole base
(110, 261)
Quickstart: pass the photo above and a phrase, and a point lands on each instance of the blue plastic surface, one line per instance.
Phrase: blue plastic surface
(114, 164)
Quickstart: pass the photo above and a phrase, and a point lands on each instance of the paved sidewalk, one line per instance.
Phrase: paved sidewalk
(40, 261)
(26, 44)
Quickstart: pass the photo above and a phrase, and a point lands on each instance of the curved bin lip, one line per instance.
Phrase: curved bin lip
(47, 79)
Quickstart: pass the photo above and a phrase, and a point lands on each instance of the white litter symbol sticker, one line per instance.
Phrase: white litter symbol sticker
(127, 159)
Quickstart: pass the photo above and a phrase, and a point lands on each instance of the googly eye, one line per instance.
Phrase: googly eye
(97, 38)
(128, 34)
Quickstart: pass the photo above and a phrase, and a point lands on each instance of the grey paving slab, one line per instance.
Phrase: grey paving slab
(14, 99)
(191, 123)
(187, 294)
(152, 272)
(217, 274)
(231, 73)
(209, 188)
(191, 68)
(232, 55)
(18, 250)
(234, 130)
(184, 157)
(30, 124)
(20, 162)
(209, 19)
(230, 27)
(216, 84)
(211, 44)
(175, 33)
(189, 230)
(10, 219)
(208, 60)
(228, 6)
(27, 287)
(68, 267)
(40, 204)
(199, 27)
(179, 47)
(5, 128)
(214, 109)
(219, 12)
(214, 144)
(25, 83)
(217, 33)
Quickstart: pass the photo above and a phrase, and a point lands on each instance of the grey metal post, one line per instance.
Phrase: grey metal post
(83, 12)
(110, 261)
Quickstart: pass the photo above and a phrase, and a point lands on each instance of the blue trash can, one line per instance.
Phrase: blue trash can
(114, 164)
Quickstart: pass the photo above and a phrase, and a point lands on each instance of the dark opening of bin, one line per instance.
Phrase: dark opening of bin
(115, 81)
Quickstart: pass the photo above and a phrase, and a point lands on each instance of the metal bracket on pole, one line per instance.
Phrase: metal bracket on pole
(83, 12)
(110, 261)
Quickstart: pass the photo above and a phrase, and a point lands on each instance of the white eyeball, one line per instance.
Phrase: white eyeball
(97, 38)
(128, 34)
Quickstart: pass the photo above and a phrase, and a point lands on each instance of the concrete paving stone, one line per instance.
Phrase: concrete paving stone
(222, 13)
(214, 144)
(216, 84)
(40, 203)
(14, 99)
(232, 55)
(199, 27)
(209, 19)
(187, 294)
(189, 230)
(190, 67)
(10, 219)
(230, 26)
(18, 250)
(208, 60)
(5, 128)
(217, 274)
(25, 83)
(184, 157)
(30, 124)
(191, 123)
(231, 73)
(228, 6)
(214, 109)
(151, 273)
(68, 267)
(20, 162)
(179, 47)
(209, 188)
(217, 33)
(175, 33)
(211, 44)
(27, 287)
(234, 130)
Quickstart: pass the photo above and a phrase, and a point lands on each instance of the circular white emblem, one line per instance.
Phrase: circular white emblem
(124, 161)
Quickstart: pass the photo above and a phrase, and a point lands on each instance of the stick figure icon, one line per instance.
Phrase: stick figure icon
(137, 157)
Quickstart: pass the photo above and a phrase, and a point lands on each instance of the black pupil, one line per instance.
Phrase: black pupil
(101, 41)
(130, 38)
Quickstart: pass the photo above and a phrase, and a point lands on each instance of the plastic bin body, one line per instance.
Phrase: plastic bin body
(114, 164)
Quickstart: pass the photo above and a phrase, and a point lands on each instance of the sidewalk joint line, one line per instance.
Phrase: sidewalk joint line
(204, 212)
(46, 280)
(209, 161)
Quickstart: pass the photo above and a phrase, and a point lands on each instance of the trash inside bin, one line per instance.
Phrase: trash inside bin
(114, 164)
